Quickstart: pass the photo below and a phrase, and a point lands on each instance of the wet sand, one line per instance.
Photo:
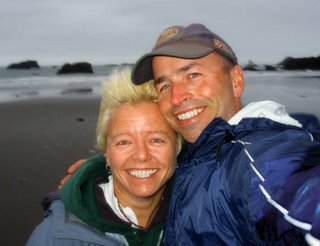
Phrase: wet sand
(39, 140)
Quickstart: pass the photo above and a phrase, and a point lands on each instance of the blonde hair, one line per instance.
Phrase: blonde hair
(118, 90)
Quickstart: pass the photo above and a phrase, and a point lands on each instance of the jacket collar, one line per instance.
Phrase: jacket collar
(219, 131)
(265, 109)
(212, 136)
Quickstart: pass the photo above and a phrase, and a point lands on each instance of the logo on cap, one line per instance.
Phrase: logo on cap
(218, 44)
(167, 34)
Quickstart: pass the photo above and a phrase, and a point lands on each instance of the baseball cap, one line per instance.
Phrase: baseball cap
(190, 42)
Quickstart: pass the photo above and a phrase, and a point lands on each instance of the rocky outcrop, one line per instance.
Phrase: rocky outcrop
(251, 66)
(270, 68)
(80, 67)
(24, 65)
(290, 63)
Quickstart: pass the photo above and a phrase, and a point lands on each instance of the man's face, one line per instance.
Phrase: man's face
(194, 92)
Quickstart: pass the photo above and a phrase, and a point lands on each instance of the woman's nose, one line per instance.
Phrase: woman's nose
(141, 152)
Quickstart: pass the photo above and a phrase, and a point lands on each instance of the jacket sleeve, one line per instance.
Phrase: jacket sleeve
(42, 234)
(306, 205)
(285, 194)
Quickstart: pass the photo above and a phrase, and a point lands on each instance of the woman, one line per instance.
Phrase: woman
(125, 203)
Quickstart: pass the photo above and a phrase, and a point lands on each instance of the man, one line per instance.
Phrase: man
(247, 176)
(252, 180)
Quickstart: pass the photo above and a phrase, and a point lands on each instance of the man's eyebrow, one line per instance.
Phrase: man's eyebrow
(187, 67)
(159, 80)
(179, 70)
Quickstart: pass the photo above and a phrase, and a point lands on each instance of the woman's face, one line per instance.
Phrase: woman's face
(140, 151)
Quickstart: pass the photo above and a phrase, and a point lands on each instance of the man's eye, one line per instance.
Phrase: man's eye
(164, 87)
(193, 75)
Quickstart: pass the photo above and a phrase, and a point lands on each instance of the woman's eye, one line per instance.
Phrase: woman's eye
(123, 142)
(157, 140)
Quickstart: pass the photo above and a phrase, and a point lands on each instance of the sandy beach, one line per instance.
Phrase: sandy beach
(40, 138)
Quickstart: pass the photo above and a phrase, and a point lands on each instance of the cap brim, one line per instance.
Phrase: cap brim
(142, 70)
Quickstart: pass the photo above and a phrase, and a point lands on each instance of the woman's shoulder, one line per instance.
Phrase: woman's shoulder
(59, 225)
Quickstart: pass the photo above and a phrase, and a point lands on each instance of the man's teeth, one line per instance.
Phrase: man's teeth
(189, 114)
(142, 173)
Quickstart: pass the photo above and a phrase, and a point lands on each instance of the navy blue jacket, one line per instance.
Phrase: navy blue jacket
(255, 183)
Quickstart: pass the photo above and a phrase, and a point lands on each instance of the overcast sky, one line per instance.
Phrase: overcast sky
(118, 31)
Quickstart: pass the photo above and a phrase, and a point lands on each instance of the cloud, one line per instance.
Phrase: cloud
(115, 31)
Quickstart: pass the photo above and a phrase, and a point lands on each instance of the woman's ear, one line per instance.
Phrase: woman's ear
(238, 81)
(106, 157)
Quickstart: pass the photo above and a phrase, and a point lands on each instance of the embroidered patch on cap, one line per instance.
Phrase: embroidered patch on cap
(218, 44)
(167, 34)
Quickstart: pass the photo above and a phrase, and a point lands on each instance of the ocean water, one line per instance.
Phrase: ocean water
(299, 91)
(20, 84)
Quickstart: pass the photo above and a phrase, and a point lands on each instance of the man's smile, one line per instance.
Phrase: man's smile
(189, 114)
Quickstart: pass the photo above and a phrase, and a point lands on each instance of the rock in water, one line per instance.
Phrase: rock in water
(24, 65)
(80, 67)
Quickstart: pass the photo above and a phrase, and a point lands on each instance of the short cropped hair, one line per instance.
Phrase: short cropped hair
(118, 90)
(226, 64)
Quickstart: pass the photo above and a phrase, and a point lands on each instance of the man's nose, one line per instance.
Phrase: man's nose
(180, 93)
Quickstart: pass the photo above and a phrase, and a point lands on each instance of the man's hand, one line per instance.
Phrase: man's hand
(71, 170)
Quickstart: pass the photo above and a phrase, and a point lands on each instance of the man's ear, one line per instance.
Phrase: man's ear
(238, 81)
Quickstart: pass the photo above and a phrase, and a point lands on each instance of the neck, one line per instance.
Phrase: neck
(238, 105)
(144, 208)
